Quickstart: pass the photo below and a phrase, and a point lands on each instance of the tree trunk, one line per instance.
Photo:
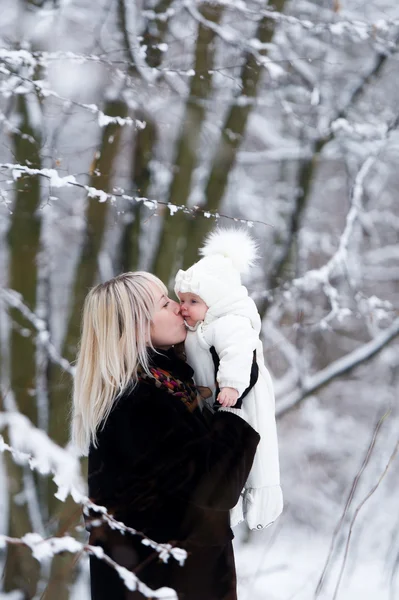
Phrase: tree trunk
(232, 133)
(86, 271)
(141, 178)
(21, 570)
(284, 263)
(63, 567)
(154, 34)
(175, 226)
(60, 384)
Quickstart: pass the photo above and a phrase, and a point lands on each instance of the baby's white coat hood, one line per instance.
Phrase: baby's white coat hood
(236, 303)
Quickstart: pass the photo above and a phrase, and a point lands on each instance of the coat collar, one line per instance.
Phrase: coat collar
(167, 360)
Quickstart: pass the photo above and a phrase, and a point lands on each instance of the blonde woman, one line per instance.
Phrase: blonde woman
(155, 462)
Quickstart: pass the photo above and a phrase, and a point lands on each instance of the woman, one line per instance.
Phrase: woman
(154, 461)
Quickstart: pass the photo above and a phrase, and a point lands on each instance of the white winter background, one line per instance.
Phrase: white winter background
(128, 129)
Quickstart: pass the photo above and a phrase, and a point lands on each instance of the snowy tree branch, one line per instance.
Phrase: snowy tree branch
(321, 276)
(45, 548)
(229, 36)
(32, 446)
(360, 30)
(13, 299)
(15, 85)
(56, 181)
(129, 22)
(313, 383)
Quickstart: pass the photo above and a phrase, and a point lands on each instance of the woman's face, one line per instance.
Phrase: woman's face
(167, 327)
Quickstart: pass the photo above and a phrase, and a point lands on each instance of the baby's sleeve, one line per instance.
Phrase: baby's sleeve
(235, 341)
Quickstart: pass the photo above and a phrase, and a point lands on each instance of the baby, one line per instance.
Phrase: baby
(194, 309)
(226, 353)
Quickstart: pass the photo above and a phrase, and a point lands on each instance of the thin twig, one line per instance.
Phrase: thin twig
(362, 503)
(348, 502)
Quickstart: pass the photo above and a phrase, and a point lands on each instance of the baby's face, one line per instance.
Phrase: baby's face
(193, 308)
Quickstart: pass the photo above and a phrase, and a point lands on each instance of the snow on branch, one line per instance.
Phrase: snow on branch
(17, 83)
(361, 131)
(43, 59)
(301, 66)
(97, 515)
(52, 174)
(32, 446)
(288, 152)
(55, 180)
(232, 37)
(130, 20)
(313, 383)
(13, 129)
(45, 548)
(13, 299)
(321, 277)
(359, 30)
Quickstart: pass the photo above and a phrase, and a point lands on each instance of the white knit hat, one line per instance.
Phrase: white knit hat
(227, 254)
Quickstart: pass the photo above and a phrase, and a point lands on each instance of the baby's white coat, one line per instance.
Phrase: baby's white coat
(232, 326)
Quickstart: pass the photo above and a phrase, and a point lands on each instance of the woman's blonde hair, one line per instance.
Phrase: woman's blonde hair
(116, 325)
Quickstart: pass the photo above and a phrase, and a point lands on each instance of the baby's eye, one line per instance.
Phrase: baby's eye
(193, 302)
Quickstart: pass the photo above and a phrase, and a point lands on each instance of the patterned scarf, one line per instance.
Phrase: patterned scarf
(185, 391)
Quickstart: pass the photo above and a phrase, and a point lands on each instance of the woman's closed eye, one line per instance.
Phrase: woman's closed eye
(166, 304)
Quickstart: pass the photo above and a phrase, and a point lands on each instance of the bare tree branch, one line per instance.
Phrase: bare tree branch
(337, 368)
(358, 509)
(69, 180)
(308, 168)
(12, 298)
(349, 499)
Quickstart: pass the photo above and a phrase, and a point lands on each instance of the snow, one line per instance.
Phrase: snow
(42, 549)
(173, 209)
(331, 326)
(166, 550)
(93, 192)
(33, 446)
(151, 204)
(51, 174)
(291, 568)
(104, 120)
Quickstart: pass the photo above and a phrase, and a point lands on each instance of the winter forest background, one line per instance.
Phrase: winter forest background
(130, 128)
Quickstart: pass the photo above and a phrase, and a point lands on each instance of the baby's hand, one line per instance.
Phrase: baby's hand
(227, 397)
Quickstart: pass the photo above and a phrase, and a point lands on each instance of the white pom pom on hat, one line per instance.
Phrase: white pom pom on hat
(235, 244)
(226, 254)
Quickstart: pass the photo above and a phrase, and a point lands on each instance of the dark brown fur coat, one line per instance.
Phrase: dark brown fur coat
(174, 476)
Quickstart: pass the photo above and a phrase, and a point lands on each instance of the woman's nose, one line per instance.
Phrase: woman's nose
(176, 307)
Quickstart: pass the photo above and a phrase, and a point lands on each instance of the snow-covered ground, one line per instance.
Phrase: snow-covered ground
(290, 568)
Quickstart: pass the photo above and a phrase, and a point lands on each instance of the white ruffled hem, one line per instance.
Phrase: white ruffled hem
(259, 507)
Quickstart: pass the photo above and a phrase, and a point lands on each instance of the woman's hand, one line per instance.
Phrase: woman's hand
(227, 396)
